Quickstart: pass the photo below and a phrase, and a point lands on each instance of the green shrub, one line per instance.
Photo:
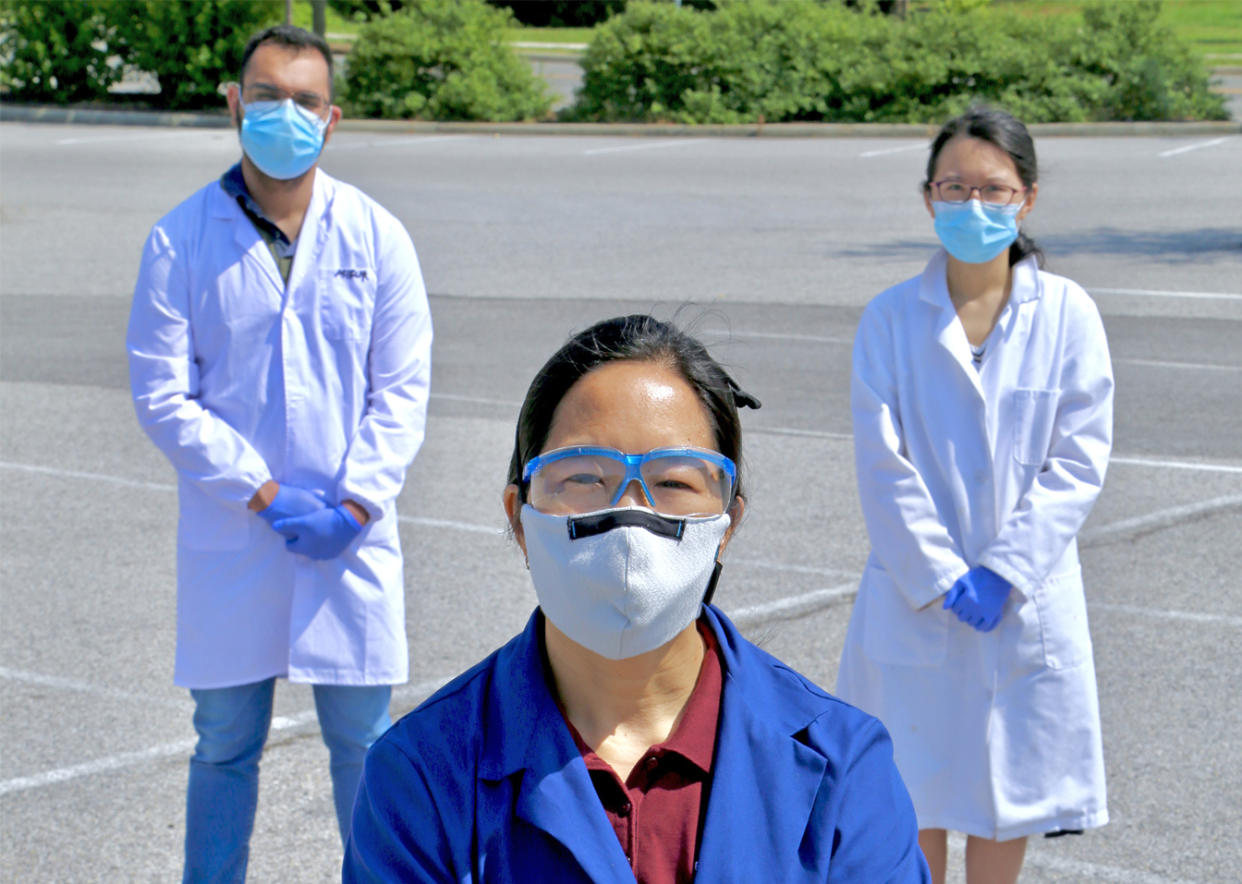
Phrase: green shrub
(799, 60)
(56, 50)
(192, 46)
(640, 65)
(441, 60)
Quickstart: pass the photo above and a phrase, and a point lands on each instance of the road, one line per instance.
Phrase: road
(768, 248)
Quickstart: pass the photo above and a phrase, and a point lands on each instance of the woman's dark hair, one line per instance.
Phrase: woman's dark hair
(290, 37)
(1007, 132)
(639, 338)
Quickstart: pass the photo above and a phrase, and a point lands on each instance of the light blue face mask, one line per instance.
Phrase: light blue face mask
(281, 138)
(975, 233)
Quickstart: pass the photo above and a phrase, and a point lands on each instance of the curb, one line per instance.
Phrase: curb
(18, 113)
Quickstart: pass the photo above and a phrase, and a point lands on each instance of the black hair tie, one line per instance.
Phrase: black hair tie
(741, 398)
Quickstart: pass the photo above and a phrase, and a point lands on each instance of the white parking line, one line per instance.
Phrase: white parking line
(407, 694)
(891, 150)
(807, 434)
(1193, 366)
(778, 336)
(1165, 518)
(479, 400)
(1079, 870)
(469, 527)
(782, 608)
(70, 684)
(794, 606)
(1175, 464)
(1159, 293)
(143, 136)
(1164, 614)
(402, 141)
(625, 147)
(93, 477)
(766, 565)
(1188, 148)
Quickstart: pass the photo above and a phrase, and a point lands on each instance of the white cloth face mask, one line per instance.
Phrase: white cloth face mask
(621, 582)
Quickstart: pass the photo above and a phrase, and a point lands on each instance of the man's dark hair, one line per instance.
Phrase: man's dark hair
(290, 37)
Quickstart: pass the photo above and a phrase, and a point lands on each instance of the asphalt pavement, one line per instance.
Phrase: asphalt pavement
(768, 248)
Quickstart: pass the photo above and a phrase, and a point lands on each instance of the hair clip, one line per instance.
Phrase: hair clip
(741, 398)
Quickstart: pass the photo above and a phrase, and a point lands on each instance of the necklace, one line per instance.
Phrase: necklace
(976, 353)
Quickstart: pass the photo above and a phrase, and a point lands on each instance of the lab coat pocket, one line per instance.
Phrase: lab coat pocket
(346, 303)
(894, 632)
(1034, 413)
(1062, 608)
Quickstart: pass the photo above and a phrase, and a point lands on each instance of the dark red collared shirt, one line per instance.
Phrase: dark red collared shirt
(657, 812)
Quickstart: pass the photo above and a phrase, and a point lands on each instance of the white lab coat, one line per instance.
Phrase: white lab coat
(323, 384)
(996, 734)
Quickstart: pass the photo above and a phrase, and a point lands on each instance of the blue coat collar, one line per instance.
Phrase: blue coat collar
(760, 763)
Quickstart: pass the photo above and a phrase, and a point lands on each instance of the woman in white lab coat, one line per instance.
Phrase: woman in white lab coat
(982, 404)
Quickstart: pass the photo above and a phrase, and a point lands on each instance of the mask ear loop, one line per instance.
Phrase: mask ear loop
(711, 584)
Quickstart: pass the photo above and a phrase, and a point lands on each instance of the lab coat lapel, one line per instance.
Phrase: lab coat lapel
(314, 232)
(760, 772)
(550, 786)
(529, 742)
(247, 239)
(950, 336)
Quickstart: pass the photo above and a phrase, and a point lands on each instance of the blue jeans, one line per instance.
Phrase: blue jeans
(232, 725)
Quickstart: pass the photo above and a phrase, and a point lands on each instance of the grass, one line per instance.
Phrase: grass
(550, 35)
(1212, 28)
(303, 17)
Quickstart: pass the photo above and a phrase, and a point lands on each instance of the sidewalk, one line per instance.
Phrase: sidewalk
(22, 113)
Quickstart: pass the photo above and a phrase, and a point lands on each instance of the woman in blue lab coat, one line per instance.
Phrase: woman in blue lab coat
(630, 732)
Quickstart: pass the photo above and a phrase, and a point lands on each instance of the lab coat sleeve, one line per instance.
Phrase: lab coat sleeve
(876, 838)
(907, 536)
(164, 381)
(399, 378)
(1033, 537)
(397, 832)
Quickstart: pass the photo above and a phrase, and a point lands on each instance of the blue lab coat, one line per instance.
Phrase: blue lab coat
(483, 783)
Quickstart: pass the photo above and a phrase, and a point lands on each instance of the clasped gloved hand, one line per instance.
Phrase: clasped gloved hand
(978, 597)
(291, 501)
(320, 535)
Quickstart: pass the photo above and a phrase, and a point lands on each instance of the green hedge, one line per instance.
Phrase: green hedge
(51, 50)
(194, 45)
(799, 60)
(64, 51)
(441, 60)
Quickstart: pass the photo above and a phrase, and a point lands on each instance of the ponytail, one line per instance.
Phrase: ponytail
(1024, 247)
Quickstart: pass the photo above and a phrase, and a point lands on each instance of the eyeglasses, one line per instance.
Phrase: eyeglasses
(675, 481)
(309, 101)
(960, 192)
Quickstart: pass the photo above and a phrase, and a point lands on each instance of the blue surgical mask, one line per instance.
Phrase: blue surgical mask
(976, 233)
(281, 138)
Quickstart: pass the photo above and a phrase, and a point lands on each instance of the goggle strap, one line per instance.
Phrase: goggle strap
(598, 523)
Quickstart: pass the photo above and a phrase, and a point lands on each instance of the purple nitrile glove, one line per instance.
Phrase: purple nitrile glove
(978, 597)
(291, 501)
(320, 535)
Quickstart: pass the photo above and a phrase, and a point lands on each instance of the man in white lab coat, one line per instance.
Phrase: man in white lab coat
(279, 349)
